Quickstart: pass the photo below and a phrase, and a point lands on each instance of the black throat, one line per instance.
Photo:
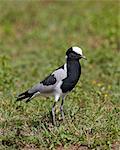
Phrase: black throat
(73, 75)
(73, 69)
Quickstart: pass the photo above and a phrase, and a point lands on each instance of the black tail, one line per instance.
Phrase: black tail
(25, 95)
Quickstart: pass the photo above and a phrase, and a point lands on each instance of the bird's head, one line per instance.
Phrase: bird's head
(74, 53)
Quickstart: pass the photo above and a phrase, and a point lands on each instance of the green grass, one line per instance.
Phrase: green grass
(34, 36)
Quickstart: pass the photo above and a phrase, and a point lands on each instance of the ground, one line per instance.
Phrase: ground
(34, 36)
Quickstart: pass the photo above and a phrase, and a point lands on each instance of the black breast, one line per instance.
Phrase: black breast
(73, 75)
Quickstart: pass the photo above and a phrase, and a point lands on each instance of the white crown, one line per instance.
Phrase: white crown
(77, 50)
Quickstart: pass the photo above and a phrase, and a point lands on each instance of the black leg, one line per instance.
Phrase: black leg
(61, 109)
(53, 113)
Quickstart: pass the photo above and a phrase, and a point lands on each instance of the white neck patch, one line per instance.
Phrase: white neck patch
(77, 50)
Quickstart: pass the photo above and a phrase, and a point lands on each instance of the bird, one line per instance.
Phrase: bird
(59, 83)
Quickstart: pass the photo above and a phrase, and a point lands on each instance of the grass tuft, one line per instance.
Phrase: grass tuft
(34, 36)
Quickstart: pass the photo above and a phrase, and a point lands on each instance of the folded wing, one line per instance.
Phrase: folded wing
(47, 86)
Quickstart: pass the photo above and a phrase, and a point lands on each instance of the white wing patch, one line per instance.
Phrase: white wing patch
(61, 73)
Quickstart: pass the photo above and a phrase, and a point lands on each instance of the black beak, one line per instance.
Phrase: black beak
(84, 57)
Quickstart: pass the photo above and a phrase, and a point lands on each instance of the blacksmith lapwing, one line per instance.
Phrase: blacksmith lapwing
(60, 82)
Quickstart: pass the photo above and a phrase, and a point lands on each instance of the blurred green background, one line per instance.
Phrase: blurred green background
(34, 36)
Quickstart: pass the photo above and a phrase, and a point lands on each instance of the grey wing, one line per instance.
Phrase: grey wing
(50, 82)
